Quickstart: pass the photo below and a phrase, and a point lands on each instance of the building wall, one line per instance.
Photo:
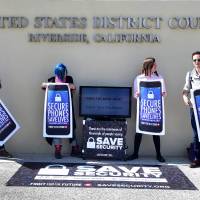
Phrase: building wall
(24, 64)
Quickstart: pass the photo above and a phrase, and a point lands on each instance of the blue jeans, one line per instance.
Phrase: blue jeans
(195, 136)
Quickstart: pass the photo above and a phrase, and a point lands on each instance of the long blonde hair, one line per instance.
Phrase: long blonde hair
(148, 65)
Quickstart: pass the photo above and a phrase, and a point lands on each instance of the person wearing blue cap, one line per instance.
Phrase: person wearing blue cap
(61, 76)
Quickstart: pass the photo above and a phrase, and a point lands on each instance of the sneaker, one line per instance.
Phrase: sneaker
(195, 163)
(160, 158)
(4, 153)
(75, 151)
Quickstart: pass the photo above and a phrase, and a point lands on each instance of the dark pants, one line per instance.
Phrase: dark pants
(2, 147)
(138, 139)
(196, 142)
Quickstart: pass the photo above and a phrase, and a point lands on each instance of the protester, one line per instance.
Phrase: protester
(3, 152)
(61, 76)
(149, 72)
(192, 81)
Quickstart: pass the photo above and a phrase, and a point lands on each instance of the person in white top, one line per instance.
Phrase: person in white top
(192, 81)
(149, 72)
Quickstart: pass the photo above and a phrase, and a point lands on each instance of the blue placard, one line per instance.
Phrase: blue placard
(151, 106)
(58, 112)
(195, 95)
(8, 125)
(150, 109)
(4, 118)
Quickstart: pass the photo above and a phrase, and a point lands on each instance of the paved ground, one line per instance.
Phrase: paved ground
(9, 166)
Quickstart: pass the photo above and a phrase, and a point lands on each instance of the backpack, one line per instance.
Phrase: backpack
(190, 79)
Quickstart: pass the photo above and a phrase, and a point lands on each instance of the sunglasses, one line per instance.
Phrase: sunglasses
(198, 60)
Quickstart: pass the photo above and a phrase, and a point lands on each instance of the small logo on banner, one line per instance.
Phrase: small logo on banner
(91, 143)
(51, 170)
(150, 94)
(88, 184)
(58, 98)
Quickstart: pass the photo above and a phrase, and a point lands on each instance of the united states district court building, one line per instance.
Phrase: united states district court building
(103, 43)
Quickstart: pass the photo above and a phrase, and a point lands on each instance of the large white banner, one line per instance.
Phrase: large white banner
(58, 121)
(8, 124)
(150, 117)
(195, 96)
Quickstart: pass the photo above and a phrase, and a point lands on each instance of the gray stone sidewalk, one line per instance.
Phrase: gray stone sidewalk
(8, 167)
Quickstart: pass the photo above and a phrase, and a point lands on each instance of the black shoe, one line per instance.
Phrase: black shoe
(4, 153)
(132, 157)
(58, 155)
(195, 163)
(160, 158)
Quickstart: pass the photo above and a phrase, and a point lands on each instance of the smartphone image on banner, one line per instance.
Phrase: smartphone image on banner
(151, 108)
(7, 125)
(58, 114)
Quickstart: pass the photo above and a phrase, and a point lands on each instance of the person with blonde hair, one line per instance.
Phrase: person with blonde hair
(149, 72)
(3, 152)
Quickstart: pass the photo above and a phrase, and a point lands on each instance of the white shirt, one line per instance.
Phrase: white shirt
(192, 81)
(142, 77)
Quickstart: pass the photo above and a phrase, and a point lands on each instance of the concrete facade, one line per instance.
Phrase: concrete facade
(25, 63)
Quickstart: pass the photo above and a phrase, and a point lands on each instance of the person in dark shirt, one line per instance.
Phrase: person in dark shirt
(61, 76)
